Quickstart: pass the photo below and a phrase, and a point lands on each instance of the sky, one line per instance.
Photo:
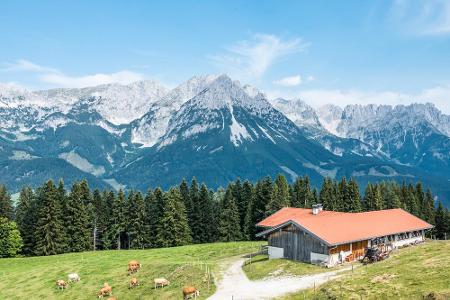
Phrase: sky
(339, 52)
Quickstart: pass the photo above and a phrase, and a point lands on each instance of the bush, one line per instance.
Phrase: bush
(10, 239)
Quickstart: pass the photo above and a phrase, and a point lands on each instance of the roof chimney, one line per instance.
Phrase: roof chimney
(316, 208)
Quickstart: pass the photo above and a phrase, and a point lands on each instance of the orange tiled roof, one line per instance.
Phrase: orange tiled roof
(336, 228)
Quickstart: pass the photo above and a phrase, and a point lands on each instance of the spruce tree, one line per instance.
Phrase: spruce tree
(428, 208)
(173, 228)
(49, 226)
(108, 240)
(155, 216)
(136, 220)
(442, 225)
(204, 225)
(341, 195)
(117, 224)
(6, 204)
(241, 201)
(229, 227)
(78, 224)
(61, 198)
(26, 219)
(353, 203)
(149, 204)
(420, 199)
(248, 193)
(195, 210)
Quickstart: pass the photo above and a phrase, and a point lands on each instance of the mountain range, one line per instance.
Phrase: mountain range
(145, 135)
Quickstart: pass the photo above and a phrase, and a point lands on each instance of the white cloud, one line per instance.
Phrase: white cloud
(289, 81)
(439, 95)
(56, 77)
(252, 58)
(423, 17)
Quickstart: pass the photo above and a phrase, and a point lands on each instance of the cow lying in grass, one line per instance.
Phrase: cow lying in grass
(133, 282)
(161, 282)
(105, 290)
(61, 284)
(190, 291)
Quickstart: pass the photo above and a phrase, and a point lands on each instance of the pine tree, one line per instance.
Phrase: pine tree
(229, 227)
(173, 228)
(184, 191)
(428, 208)
(149, 204)
(420, 199)
(353, 203)
(26, 219)
(77, 224)
(442, 225)
(99, 219)
(241, 201)
(49, 226)
(411, 201)
(341, 195)
(136, 220)
(107, 237)
(205, 221)
(326, 195)
(248, 193)
(195, 211)
(155, 216)
(117, 222)
(61, 198)
(6, 204)
(283, 190)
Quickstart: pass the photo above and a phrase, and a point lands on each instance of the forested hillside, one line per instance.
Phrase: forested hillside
(53, 219)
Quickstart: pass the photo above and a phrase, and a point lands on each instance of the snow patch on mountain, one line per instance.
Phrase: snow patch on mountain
(290, 172)
(22, 155)
(238, 132)
(323, 172)
(82, 163)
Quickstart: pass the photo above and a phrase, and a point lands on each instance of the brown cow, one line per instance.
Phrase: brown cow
(133, 283)
(189, 291)
(112, 298)
(133, 266)
(61, 284)
(105, 290)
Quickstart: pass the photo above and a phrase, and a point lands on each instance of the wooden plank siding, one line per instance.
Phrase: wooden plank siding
(297, 244)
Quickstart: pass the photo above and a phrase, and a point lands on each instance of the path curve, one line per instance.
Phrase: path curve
(235, 285)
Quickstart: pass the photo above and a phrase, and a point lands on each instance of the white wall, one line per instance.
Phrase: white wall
(411, 240)
(319, 258)
(275, 252)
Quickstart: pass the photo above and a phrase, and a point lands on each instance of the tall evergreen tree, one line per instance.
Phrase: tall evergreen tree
(341, 195)
(195, 210)
(26, 219)
(10, 240)
(353, 201)
(155, 212)
(248, 193)
(229, 227)
(280, 196)
(205, 224)
(78, 224)
(428, 207)
(6, 204)
(136, 220)
(149, 204)
(117, 224)
(49, 226)
(173, 228)
(241, 201)
(107, 236)
(442, 225)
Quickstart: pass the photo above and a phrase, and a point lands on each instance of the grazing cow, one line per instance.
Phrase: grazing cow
(61, 284)
(161, 282)
(111, 298)
(189, 291)
(133, 282)
(105, 290)
(73, 277)
(133, 266)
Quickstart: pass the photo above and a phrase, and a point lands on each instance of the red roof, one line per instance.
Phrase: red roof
(336, 228)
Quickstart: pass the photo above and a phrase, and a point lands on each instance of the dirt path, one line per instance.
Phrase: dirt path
(235, 285)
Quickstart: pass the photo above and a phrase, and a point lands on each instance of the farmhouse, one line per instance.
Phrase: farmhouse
(330, 237)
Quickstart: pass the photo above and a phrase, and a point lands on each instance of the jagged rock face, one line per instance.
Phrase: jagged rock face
(216, 129)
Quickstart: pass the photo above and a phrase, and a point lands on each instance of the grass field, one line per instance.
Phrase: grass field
(410, 273)
(34, 278)
(262, 267)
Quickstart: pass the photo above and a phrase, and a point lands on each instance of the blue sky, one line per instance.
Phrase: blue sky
(322, 51)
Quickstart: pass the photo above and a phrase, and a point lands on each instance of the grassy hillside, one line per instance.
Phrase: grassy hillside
(260, 267)
(410, 273)
(34, 278)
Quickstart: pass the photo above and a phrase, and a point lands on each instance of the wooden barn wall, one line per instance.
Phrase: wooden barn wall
(297, 244)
